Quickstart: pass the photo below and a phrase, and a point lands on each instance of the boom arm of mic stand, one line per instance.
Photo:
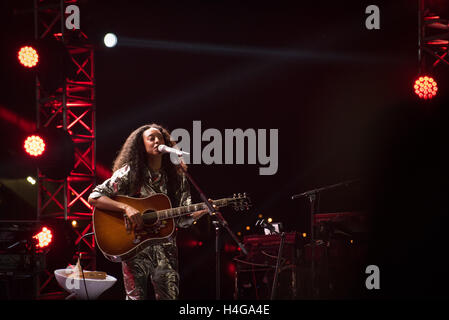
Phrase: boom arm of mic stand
(315, 191)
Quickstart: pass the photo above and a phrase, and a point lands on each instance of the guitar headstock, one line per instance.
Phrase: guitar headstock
(240, 201)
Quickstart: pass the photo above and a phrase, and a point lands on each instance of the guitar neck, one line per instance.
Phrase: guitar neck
(180, 211)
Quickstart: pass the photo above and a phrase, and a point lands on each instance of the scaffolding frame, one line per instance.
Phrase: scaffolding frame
(72, 108)
(433, 39)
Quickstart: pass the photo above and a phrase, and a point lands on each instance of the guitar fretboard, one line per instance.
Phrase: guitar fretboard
(180, 211)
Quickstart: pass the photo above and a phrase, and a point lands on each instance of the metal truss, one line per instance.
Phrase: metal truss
(72, 108)
(433, 39)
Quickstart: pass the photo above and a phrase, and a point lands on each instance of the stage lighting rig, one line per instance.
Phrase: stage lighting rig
(53, 152)
(28, 56)
(34, 145)
(43, 238)
(425, 87)
(50, 59)
(65, 101)
(433, 44)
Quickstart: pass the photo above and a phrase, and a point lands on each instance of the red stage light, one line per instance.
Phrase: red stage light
(230, 248)
(231, 268)
(44, 238)
(28, 56)
(425, 87)
(34, 145)
(192, 243)
(52, 150)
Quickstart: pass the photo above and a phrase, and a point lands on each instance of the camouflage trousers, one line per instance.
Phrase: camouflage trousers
(159, 263)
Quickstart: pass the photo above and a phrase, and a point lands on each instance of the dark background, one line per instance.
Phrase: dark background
(341, 99)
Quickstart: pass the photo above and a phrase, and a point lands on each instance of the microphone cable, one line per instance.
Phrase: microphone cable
(81, 267)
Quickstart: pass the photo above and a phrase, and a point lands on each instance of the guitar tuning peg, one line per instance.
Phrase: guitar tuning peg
(234, 195)
(240, 195)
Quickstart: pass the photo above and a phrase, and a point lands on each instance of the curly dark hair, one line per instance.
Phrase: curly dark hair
(133, 154)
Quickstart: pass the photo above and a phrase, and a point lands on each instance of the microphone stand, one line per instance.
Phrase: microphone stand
(278, 264)
(219, 222)
(311, 195)
(263, 224)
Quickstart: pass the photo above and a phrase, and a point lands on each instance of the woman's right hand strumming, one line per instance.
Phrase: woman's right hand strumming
(133, 220)
(132, 216)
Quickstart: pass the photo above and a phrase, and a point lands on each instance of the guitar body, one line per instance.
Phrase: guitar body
(116, 243)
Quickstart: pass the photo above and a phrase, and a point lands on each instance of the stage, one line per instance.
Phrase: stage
(308, 115)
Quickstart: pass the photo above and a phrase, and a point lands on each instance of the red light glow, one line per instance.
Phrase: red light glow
(231, 269)
(34, 145)
(192, 243)
(425, 87)
(28, 56)
(44, 238)
(230, 248)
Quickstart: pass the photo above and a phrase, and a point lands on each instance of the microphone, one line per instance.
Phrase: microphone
(164, 149)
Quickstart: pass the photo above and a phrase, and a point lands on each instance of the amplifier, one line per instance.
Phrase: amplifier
(14, 235)
(19, 275)
(341, 224)
(15, 263)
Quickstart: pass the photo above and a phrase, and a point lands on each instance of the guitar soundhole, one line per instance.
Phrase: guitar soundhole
(152, 225)
(149, 217)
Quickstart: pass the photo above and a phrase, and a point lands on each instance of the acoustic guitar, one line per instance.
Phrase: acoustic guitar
(117, 244)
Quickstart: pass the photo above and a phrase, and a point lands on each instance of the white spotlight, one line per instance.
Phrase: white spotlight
(110, 40)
